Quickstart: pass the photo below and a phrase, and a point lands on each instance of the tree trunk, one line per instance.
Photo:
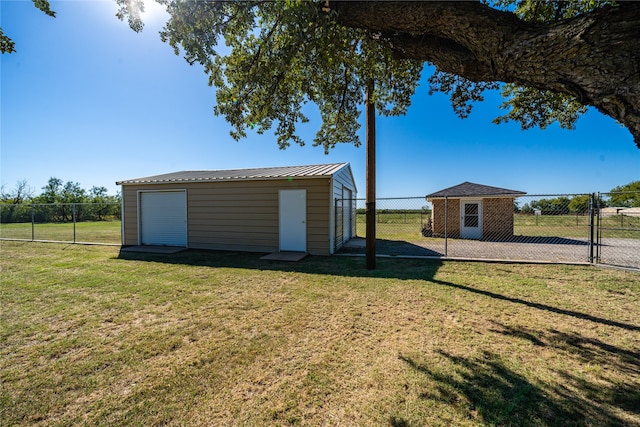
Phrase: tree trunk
(594, 57)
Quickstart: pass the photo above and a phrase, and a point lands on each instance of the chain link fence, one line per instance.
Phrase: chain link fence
(97, 223)
(599, 228)
(571, 228)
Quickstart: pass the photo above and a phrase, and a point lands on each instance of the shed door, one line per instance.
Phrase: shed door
(163, 218)
(471, 219)
(293, 220)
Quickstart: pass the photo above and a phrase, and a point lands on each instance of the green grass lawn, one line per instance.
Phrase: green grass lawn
(86, 231)
(210, 338)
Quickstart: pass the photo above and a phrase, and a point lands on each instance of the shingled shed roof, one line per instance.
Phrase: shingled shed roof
(469, 189)
(282, 172)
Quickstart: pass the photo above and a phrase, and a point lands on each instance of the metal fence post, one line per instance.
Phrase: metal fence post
(73, 215)
(592, 211)
(598, 228)
(354, 216)
(33, 223)
(446, 225)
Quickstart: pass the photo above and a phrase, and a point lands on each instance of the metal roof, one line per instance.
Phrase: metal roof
(469, 189)
(282, 172)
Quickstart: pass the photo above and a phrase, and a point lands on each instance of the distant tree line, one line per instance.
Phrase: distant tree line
(58, 202)
(621, 196)
(627, 196)
(561, 205)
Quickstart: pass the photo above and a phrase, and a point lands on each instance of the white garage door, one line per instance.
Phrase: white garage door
(163, 218)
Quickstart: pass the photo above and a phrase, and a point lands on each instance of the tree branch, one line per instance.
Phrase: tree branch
(593, 57)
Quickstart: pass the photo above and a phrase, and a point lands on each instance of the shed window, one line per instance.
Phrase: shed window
(471, 215)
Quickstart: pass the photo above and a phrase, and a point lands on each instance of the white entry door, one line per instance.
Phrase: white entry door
(293, 220)
(471, 219)
(163, 218)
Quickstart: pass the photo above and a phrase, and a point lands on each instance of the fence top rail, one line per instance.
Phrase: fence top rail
(621, 192)
(527, 196)
(389, 198)
(557, 195)
(619, 228)
(60, 204)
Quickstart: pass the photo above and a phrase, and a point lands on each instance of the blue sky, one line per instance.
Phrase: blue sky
(86, 99)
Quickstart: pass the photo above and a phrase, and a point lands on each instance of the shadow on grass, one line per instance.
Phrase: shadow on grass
(584, 349)
(395, 248)
(398, 422)
(540, 306)
(406, 269)
(483, 388)
(418, 269)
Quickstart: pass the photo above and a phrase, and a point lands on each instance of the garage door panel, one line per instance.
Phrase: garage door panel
(163, 218)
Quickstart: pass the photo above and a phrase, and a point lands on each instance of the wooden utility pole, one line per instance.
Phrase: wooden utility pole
(371, 178)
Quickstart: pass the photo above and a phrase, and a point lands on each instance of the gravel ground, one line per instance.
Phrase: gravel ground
(622, 252)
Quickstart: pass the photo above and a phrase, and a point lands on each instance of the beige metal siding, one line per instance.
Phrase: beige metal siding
(130, 216)
(240, 215)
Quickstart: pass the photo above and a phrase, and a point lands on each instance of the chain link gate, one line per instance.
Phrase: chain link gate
(618, 229)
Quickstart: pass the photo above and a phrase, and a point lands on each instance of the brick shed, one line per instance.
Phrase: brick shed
(473, 211)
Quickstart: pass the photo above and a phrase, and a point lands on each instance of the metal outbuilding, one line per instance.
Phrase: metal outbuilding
(292, 208)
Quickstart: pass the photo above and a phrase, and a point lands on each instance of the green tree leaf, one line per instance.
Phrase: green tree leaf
(627, 195)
